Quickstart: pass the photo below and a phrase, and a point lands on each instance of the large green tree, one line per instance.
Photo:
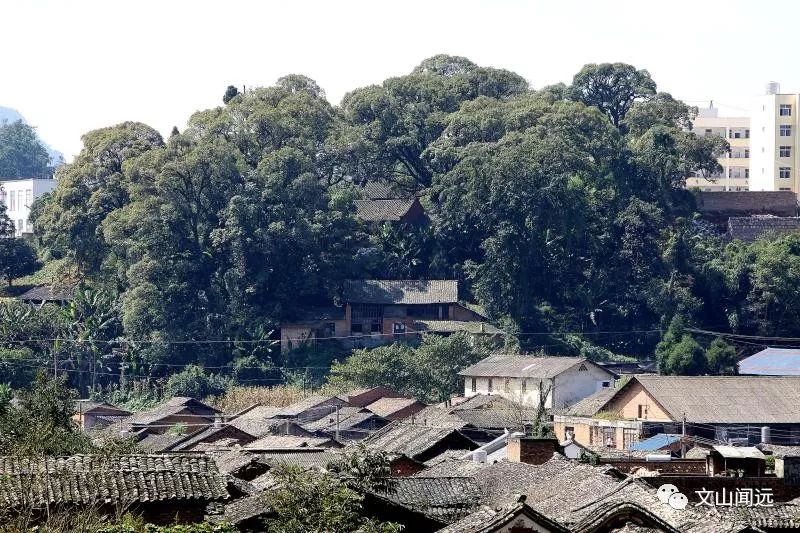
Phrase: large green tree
(22, 154)
(612, 88)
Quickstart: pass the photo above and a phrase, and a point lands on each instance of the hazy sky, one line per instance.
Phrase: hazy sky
(72, 66)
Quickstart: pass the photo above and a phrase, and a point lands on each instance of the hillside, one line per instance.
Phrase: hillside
(12, 115)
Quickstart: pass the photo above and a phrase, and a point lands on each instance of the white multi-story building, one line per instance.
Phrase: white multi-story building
(735, 174)
(774, 160)
(18, 196)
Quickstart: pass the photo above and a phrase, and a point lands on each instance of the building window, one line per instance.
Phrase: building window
(569, 432)
(629, 437)
(708, 132)
(399, 328)
(784, 188)
(785, 172)
(28, 197)
(747, 173)
(609, 437)
(746, 134)
(785, 110)
(746, 153)
(507, 385)
(474, 384)
(524, 386)
(785, 151)
(12, 196)
(20, 223)
(606, 384)
(356, 328)
(375, 328)
(642, 411)
(490, 385)
(786, 130)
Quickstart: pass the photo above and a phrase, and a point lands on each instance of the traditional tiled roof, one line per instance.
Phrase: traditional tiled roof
(308, 460)
(233, 461)
(155, 442)
(316, 403)
(88, 406)
(445, 499)
(349, 418)
(171, 407)
(257, 421)
(496, 418)
(278, 442)
(386, 292)
(225, 436)
(386, 407)
(726, 399)
(86, 479)
(779, 451)
(525, 366)
(492, 519)
(412, 440)
(381, 190)
(753, 228)
(389, 210)
(772, 362)
(591, 405)
(438, 417)
(47, 294)
(453, 326)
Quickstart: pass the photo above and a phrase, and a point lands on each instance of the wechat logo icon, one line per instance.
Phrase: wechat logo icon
(670, 494)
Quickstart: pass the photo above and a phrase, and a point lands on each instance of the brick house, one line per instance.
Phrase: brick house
(378, 312)
(722, 408)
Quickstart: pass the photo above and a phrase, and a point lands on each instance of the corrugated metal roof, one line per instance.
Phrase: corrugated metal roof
(400, 291)
(525, 366)
(656, 442)
(772, 362)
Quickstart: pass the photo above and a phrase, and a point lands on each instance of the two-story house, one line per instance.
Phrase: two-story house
(722, 408)
(525, 378)
(377, 312)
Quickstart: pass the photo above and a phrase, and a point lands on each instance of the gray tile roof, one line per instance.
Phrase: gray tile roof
(446, 499)
(318, 459)
(349, 418)
(47, 294)
(726, 399)
(316, 406)
(386, 292)
(494, 418)
(381, 190)
(753, 228)
(452, 326)
(278, 442)
(171, 407)
(383, 210)
(591, 405)
(492, 519)
(438, 417)
(388, 406)
(87, 479)
(155, 443)
(412, 440)
(524, 366)
(258, 421)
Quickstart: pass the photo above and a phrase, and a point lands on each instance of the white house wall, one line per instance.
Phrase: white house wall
(574, 384)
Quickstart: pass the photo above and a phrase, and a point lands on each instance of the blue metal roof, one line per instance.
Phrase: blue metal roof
(656, 442)
(772, 362)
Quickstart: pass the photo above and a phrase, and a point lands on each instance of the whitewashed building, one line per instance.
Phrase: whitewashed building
(520, 378)
(18, 196)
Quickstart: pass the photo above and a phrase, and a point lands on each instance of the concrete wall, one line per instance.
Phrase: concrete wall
(514, 390)
(24, 193)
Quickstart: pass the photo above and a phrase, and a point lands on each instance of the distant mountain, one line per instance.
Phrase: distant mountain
(12, 115)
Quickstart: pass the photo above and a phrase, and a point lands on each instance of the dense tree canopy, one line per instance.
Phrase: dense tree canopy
(22, 154)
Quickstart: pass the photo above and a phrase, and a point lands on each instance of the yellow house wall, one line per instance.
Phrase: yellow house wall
(627, 405)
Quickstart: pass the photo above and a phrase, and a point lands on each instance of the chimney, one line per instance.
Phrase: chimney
(533, 451)
(479, 456)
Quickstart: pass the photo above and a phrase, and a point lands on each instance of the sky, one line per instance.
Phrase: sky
(73, 66)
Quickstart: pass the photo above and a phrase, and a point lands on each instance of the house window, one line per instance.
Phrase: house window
(606, 384)
(356, 328)
(399, 328)
(524, 386)
(746, 134)
(609, 437)
(785, 172)
(747, 173)
(736, 135)
(784, 188)
(28, 197)
(12, 201)
(746, 153)
(490, 385)
(507, 385)
(375, 327)
(569, 432)
(785, 110)
(642, 411)
(629, 437)
(330, 329)
(785, 151)
(708, 132)
(474, 384)
(786, 130)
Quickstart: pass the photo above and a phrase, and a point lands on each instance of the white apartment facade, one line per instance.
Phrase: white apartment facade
(735, 174)
(774, 159)
(18, 196)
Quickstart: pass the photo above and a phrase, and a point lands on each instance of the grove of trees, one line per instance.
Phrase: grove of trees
(561, 210)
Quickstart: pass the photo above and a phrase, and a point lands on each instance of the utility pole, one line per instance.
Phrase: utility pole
(337, 423)
(683, 437)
